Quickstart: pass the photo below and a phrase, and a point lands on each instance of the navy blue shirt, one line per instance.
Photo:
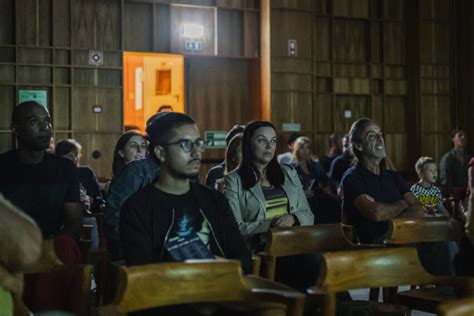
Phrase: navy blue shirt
(388, 187)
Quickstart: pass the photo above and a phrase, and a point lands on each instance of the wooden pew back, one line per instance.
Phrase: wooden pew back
(306, 239)
(464, 307)
(303, 240)
(371, 268)
(424, 229)
(173, 283)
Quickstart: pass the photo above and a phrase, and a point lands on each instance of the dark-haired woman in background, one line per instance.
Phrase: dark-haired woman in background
(263, 194)
(130, 146)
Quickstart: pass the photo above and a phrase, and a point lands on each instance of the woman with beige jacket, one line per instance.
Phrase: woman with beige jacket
(263, 194)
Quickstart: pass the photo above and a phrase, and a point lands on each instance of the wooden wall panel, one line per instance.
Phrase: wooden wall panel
(323, 113)
(61, 109)
(435, 145)
(251, 34)
(291, 25)
(394, 43)
(292, 4)
(230, 28)
(322, 39)
(7, 22)
(393, 9)
(26, 22)
(435, 111)
(7, 97)
(219, 95)
(84, 119)
(98, 142)
(83, 18)
(61, 23)
(292, 107)
(359, 105)
(7, 74)
(161, 28)
(108, 24)
(349, 8)
(138, 27)
(434, 9)
(6, 142)
(44, 23)
(351, 41)
(394, 115)
(396, 146)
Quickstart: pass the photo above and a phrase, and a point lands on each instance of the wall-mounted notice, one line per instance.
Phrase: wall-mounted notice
(40, 96)
(215, 139)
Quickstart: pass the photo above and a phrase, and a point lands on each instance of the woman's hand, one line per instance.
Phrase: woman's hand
(287, 220)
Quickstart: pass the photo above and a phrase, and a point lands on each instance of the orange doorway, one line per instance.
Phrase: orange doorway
(150, 82)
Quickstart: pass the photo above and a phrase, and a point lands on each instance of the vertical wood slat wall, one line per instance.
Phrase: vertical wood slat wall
(44, 44)
(352, 55)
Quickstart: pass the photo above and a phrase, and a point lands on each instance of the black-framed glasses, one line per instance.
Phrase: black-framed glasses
(188, 145)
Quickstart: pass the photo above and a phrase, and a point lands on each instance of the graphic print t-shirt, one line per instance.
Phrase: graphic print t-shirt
(276, 201)
(429, 197)
(188, 220)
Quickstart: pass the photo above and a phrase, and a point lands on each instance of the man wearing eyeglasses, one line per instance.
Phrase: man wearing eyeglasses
(173, 218)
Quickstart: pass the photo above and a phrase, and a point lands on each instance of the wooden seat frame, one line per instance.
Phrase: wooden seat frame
(304, 240)
(371, 268)
(203, 281)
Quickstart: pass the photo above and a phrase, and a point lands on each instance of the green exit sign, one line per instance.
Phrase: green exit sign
(215, 139)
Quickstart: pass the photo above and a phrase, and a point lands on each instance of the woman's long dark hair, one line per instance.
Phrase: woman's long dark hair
(118, 161)
(247, 169)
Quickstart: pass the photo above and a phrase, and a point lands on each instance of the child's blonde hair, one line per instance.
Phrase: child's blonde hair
(421, 162)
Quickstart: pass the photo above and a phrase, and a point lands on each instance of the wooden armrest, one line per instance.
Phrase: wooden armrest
(314, 290)
(263, 289)
(256, 264)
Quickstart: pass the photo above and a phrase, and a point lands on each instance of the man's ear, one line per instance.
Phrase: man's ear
(120, 153)
(357, 146)
(159, 152)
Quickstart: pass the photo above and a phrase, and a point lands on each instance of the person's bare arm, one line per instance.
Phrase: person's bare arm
(376, 211)
(414, 208)
(73, 219)
(20, 238)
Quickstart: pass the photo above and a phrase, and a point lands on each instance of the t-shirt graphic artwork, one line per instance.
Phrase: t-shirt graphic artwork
(431, 198)
(189, 236)
(276, 202)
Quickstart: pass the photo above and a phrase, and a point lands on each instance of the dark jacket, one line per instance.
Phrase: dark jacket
(144, 227)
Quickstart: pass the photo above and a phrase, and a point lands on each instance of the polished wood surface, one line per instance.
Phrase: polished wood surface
(174, 283)
(389, 267)
(463, 307)
(303, 240)
(425, 229)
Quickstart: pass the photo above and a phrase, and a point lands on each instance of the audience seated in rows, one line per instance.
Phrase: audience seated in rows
(173, 210)
(217, 172)
(454, 164)
(264, 194)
